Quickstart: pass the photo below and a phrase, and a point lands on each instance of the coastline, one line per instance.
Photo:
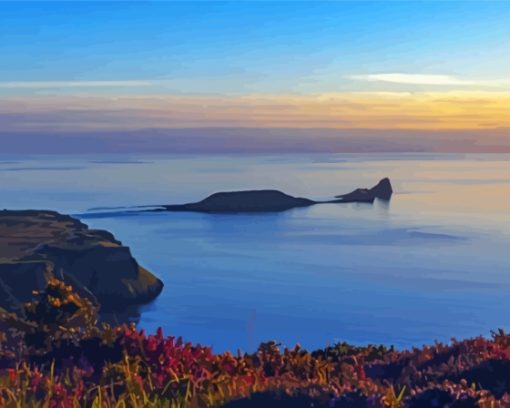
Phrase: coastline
(38, 245)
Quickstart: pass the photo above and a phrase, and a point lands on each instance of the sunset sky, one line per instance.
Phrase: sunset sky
(210, 76)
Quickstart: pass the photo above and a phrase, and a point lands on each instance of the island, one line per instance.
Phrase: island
(274, 201)
(244, 201)
(36, 246)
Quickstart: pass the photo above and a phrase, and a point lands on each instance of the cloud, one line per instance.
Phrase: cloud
(423, 79)
(72, 84)
(372, 110)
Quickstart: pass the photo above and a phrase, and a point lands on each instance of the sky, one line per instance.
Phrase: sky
(255, 76)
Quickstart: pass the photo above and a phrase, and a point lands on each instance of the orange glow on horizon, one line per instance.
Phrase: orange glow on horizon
(362, 110)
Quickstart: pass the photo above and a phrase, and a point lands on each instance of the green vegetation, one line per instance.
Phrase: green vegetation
(55, 355)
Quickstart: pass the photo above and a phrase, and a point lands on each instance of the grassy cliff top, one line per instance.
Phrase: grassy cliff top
(24, 233)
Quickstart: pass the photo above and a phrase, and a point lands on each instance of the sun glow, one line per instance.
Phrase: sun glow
(365, 110)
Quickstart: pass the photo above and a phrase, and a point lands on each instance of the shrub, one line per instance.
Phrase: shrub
(64, 360)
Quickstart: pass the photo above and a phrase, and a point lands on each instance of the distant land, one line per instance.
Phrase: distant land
(43, 140)
(275, 201)
(250, 201)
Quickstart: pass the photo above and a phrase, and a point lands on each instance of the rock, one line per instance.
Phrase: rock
(360, 195)
(381, 190)
(38, 245)
(249, 201)
(273, 200)
(244, 201)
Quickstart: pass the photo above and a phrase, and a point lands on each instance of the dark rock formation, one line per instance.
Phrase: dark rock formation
(38, 245)
(274, 200)
(244, 201)
(381, 190)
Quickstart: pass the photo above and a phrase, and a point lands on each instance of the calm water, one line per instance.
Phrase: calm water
(432, 264)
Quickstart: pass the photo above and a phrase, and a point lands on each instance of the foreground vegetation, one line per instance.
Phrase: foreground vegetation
(56, 356)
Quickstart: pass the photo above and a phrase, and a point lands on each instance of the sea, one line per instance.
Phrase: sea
(430, 265)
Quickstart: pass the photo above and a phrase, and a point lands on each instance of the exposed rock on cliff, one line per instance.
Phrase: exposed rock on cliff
(38, 245)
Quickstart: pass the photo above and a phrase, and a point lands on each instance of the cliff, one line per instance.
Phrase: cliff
(38, 245)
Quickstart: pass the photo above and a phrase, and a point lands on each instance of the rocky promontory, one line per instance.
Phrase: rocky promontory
(273, 200)
(38, 245)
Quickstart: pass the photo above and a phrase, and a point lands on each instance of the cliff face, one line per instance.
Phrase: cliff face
(38, 245)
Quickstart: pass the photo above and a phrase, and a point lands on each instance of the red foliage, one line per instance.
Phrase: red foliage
(122, 365)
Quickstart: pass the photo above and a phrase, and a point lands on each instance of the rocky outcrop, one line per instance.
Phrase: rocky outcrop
(38, 245)
(381, 190)
(244, 201)
(274, 200)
